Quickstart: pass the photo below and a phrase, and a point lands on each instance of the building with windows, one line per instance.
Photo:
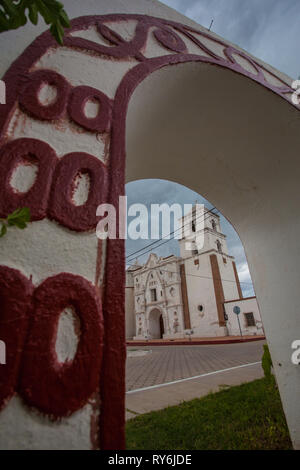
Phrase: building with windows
(192, 294)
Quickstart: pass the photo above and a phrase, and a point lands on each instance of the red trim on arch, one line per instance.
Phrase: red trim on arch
(59, 389)
(15, 305)
(15, 153)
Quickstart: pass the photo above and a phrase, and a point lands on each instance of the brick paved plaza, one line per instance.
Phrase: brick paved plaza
(168, 363)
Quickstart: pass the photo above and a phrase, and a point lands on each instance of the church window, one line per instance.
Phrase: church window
(153, 295)
(219, 245)
(195, 250)
(250, 320)
(213, 224)
(193, 226)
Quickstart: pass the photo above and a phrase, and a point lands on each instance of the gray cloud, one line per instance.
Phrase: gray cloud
(268, 29)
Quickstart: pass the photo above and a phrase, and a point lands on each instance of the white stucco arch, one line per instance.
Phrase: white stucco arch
(237, 144)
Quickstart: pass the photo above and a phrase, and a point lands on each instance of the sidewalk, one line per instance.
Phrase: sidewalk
(169, 394)
(198, 341)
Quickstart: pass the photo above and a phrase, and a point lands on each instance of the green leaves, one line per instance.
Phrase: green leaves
(3, 230)
(19, 218)
(13, 15)
(33, 13)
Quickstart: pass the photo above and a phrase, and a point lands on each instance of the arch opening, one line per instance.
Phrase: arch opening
(235, 142)
(156, 324)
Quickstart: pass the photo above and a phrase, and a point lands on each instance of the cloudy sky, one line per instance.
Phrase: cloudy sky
(268, 29)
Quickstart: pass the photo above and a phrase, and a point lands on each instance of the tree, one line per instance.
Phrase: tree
(13, 15)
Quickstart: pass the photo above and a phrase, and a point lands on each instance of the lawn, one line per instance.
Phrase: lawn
(248, 416)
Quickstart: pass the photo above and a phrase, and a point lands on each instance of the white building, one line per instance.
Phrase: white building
(190, 295)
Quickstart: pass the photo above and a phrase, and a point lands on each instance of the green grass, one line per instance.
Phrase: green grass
(248, 416)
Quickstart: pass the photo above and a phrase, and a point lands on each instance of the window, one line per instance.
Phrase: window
(195, 250)
(153, 295)
(193, 226)
(219, 246)
(250, 320)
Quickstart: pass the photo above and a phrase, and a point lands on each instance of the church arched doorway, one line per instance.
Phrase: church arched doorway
(156, 324)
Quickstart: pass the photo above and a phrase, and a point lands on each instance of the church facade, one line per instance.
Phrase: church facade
(191, 295)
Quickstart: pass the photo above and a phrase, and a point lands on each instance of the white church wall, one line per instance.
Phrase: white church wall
(162, 275)
(176, 325)
(247, 305)
(201, 292)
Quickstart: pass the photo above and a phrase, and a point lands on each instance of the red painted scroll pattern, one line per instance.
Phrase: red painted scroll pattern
(28, 322)
(51, 193)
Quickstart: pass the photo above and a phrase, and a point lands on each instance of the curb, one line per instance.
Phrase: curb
(194, 342)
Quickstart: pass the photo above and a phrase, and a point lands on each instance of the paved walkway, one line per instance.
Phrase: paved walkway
(159, 397)
(154, 370)
(169, 363)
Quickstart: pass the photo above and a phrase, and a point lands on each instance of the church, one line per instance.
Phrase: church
(191, 295)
